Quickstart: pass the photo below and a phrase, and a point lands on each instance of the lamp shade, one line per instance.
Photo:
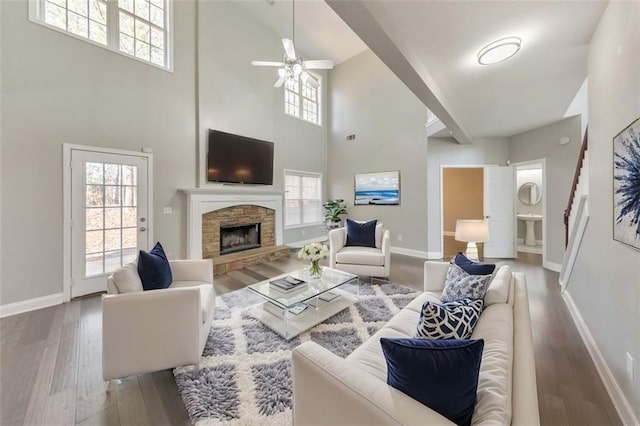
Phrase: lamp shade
(468, 230)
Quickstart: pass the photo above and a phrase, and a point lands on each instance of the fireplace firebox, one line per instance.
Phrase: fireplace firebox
(238, 238)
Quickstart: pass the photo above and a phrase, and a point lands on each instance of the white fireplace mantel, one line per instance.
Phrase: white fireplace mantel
(205, 200)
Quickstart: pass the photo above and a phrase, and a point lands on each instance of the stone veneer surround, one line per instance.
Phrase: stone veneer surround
(237, 215)
(201, 201)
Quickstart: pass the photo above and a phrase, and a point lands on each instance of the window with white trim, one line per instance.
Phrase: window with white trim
(303, 198)
(302, 100)
(137, 28)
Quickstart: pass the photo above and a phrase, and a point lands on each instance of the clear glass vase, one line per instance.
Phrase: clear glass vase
(315, 270)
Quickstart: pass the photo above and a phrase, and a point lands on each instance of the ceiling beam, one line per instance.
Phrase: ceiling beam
(371, 23)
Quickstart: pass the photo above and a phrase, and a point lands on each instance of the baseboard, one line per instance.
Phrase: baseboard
(31, 304)
(449, 233)
(555, 267)
(621, 403)
(434, 255)
(410, 252)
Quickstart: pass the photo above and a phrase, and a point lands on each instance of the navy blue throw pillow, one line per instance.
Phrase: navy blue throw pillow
(441, 374)
(154, 269)
(474, 268)
(361, 234)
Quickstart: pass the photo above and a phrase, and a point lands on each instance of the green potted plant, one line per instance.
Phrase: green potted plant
(333, 210)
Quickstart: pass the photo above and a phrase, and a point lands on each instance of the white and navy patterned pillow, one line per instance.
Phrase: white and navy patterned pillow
(451, 320)
(461, 285)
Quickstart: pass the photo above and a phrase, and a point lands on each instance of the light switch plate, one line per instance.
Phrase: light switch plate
(167, 210)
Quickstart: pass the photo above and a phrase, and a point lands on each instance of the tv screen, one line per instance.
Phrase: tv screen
(239, 159)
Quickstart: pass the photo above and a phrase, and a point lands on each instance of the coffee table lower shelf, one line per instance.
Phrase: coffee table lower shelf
(289, 325)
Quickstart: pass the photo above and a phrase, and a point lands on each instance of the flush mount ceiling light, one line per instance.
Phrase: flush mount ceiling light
(499, 50)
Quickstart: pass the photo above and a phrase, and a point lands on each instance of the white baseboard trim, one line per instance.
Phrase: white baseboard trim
(410, 252)
(30, 304)
(617, 396)
(449, 234)
(434, 255)
(555, 267)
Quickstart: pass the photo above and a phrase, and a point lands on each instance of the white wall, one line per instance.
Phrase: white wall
(368, 100)
(561, 161)
(238, 98)
(58, 89)
(605, 284)
(447, 152)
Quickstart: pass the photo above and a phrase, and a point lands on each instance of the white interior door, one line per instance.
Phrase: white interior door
(109, 222)
(499, 212)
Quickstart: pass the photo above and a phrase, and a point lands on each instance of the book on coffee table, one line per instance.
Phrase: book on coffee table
(288, 284)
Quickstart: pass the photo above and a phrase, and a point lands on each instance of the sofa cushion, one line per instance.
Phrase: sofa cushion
(369, 356)
(441, 374)
(360, 256)
(460, 284)
(498, 291)
(450, 320)
(127, 279)
(473, 268)
(416, 304)
(154, 269)
(494, 384)
(361, 234)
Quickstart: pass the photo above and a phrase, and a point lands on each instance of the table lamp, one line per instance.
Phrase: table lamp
(472, 232)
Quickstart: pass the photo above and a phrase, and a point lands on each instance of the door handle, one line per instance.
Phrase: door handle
(487, 217)
(142, 229)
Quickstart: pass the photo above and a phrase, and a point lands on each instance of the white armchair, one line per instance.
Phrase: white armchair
(368, 261)
(145, 331)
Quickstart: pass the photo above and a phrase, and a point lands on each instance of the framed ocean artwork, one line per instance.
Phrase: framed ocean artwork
(381, 188)
(626, 185)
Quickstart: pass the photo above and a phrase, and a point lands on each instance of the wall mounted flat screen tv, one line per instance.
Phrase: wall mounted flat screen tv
(239, 159)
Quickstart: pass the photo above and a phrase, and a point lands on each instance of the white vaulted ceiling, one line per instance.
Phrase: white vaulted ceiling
(441, 39)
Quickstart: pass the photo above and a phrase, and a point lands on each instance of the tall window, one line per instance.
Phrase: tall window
(138, 28)
(302, 100)
(303, 198)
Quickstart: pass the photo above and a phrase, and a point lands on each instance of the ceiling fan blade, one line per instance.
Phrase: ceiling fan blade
(267, 64)
(280, 81)
(289, 50)
(309, 79)
(320, 64)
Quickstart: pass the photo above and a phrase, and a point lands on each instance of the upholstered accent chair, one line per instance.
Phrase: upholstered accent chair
(367, 261)
(145, 331)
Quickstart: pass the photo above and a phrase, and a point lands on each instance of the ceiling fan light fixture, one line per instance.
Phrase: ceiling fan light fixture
(499, 50)
(297, 69)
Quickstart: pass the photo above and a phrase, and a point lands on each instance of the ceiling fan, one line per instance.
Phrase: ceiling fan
(293, 67)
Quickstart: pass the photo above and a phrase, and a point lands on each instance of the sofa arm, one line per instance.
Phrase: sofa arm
(329, 390)
(192, 270)
(435, 274)
(336, 242)
(150, 331)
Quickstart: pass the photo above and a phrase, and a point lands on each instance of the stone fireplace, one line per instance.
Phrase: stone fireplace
(212, 211)
(240, 223)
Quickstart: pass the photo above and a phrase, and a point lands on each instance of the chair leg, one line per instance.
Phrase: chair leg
(196, 371)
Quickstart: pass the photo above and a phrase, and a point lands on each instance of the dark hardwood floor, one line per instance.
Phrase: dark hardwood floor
(50, 360)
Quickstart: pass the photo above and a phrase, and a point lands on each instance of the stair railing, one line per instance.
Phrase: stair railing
(574, 186)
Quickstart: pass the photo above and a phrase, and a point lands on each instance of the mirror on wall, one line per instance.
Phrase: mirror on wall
(529, 193)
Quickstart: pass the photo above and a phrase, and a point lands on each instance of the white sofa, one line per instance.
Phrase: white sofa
(367, 261)
(145, 331)
(329, 390)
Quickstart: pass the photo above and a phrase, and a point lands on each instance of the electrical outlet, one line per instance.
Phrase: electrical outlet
(630, 366)
(167, 210)
(399, 237)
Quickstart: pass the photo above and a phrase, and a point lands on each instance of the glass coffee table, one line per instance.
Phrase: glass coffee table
(291, 313)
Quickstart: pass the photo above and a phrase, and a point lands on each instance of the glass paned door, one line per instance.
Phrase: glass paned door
(109, 216)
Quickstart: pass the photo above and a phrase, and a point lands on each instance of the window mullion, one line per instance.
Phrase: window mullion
(113, 25)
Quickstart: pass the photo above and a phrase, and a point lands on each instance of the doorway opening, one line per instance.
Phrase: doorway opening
(462, 198)
(530, 204)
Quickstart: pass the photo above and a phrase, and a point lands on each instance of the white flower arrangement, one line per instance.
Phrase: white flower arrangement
(313, 252)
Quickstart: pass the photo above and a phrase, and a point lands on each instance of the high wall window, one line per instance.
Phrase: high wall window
(137, 28)
(303, 198)
(302, 100)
